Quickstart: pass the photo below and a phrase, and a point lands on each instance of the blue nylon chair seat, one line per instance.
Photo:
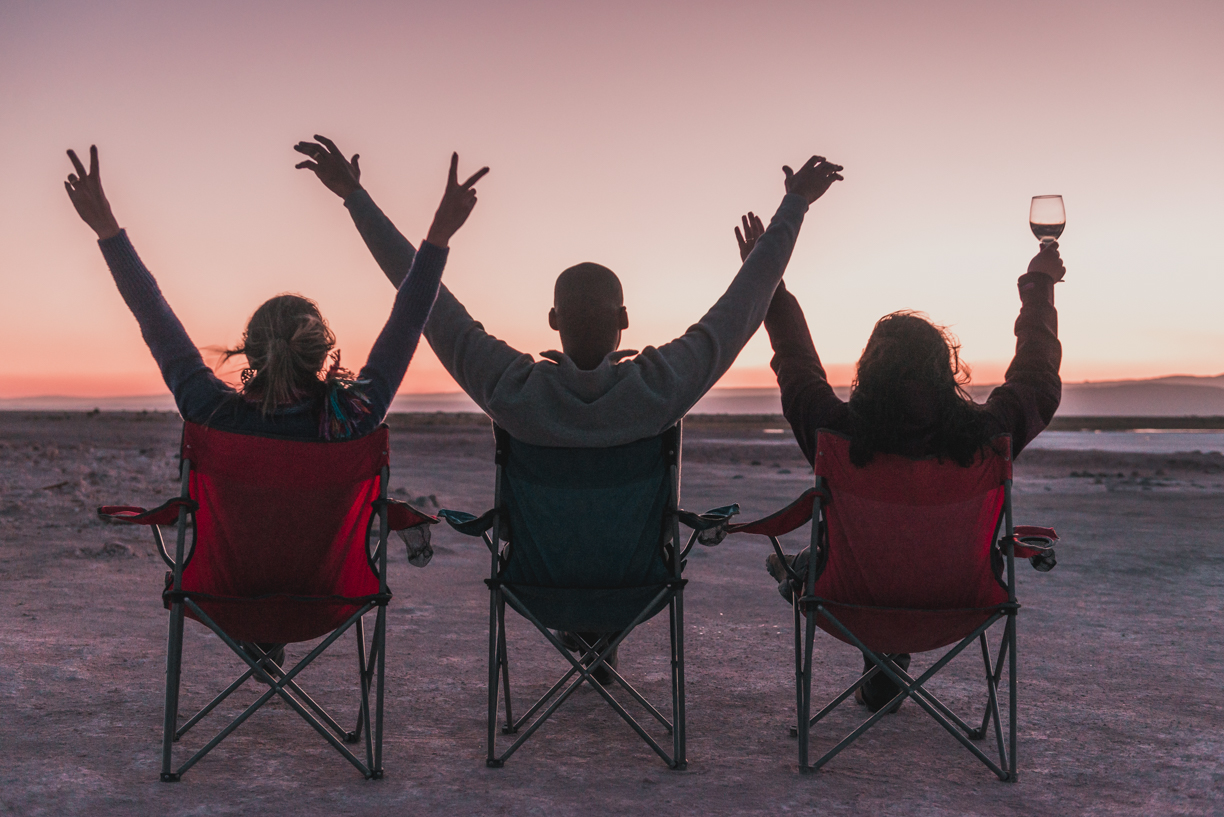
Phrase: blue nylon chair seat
(586, 528)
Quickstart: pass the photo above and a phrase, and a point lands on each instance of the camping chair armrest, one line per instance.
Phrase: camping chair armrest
(1035, 544)
(401, 515)
(781, 522)
(711, 526)
(466, 523)
(412, 525)
(470, 525)
(165, 514)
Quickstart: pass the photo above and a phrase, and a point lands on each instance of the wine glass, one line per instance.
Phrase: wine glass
(1047, 218)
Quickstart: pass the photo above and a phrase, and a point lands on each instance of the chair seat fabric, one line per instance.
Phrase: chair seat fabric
(585, 527)
(281, 531)
(909, 564)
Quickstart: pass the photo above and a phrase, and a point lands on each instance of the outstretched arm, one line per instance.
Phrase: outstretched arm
(687, 367)
(391, 250)
(808, 401)
(197, 391)
(474, 358)
(1032, 388)
(397, 342)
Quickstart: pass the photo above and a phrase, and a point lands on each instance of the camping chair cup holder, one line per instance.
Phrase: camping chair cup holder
(587, 541)
(875, 584)
(280, 554)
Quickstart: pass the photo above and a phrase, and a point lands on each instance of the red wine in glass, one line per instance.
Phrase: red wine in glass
(1047, 218)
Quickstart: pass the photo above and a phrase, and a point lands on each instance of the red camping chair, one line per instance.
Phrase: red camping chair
(908, 558)
(279, 554)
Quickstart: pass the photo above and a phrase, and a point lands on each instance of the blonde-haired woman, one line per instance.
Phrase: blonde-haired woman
(288, 389)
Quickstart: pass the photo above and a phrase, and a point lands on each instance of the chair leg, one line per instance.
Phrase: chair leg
(494, 653)
(174, 666)
(798, 666)
(504, 660)
(679, 736)
(805, 692)
(1011, 680)
(380, 644)
(363, 677)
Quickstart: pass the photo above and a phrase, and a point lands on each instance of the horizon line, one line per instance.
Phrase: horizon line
(458, 392)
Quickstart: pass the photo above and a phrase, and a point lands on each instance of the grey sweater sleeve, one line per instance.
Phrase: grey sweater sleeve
(689, 366)
(392, 252)
(473, 357)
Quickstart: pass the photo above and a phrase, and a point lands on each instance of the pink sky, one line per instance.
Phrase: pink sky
(633, 134)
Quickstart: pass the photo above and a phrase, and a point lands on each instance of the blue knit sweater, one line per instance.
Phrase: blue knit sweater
(203, 398)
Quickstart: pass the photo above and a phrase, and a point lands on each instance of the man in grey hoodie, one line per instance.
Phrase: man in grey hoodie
(590, 395)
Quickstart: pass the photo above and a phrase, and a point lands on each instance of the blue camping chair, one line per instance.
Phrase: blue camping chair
(587, 541)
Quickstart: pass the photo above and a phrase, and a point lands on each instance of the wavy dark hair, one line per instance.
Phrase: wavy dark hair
(286, 344)
(909, 391)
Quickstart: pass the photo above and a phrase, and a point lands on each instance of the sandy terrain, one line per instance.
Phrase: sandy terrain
(1121, 706)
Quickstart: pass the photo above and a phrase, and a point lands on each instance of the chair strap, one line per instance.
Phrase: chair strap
(672, 582)
(170, 595)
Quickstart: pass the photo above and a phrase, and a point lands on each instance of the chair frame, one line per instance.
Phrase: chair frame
(371, 661)
(594, 655)
(914, 688)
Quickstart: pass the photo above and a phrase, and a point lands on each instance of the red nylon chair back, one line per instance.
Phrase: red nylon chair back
(281, 531)
(913, 535)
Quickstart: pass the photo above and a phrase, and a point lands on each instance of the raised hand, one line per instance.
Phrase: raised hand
(813, 179)
(456, 206)
(339, 175)
(85, 191)
(1048, 262)
(753, 229)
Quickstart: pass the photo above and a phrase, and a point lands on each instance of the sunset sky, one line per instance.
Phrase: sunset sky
(631, 134)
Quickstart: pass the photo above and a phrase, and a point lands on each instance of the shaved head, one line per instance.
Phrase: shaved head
(588, 287)
(589, 312)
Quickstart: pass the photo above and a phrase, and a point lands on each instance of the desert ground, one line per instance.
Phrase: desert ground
(1121, 664)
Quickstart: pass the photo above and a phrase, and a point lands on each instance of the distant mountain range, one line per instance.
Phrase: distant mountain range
(1172, 396)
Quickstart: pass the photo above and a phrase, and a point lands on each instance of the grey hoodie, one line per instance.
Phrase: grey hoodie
(631, 395)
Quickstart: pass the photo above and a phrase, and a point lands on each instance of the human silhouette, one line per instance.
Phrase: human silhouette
(591, 394)
(288, 389)
(908, 396)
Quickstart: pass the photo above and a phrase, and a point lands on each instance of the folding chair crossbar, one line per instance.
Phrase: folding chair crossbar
(285, 687)
(913, 688)
(276, 670)
(629, 554)
(854, 514)
(597, 654)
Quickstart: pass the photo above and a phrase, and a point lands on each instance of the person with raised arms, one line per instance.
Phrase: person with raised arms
(591, 394)
(909, 397)
(288, 390)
